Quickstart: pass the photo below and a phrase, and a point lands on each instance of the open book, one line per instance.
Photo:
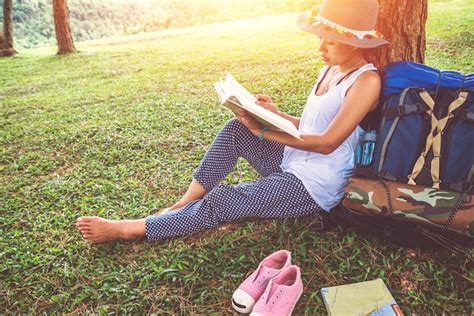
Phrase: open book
(234, 96)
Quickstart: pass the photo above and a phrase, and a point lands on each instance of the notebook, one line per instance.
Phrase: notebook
(364, 298)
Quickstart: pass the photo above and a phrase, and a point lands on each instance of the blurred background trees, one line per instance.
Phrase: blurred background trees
(93, 19)
(401, 21)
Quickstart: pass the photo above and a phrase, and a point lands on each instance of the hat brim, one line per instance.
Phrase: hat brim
(330, 33)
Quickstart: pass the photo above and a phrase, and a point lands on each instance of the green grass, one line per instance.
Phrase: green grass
(116, 131)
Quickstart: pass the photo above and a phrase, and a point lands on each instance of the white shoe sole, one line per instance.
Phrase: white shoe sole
(242, 302)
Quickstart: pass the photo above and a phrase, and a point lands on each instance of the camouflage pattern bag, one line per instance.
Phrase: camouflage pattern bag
(439, 214)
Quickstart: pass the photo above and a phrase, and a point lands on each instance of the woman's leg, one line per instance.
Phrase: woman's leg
(280, 195)
(233, 141)
(195, 191)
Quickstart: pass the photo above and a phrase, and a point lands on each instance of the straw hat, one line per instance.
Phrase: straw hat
(351, 22)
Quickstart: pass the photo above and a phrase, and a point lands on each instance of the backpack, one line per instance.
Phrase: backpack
(427, 138)
(418, 189)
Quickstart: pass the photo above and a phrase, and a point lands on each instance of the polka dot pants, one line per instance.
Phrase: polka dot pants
(276, 195)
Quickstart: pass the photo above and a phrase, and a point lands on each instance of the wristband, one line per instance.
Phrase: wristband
(262, 131)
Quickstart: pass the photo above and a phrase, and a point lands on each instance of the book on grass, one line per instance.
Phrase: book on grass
(234, 96)
(364, 298)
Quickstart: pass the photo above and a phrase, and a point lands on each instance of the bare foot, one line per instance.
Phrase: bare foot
(97, 230)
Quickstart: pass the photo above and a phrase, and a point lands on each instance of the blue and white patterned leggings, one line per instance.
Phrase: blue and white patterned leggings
(276, 195)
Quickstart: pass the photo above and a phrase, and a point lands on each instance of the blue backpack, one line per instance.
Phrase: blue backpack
(425, 136)
(426, 133)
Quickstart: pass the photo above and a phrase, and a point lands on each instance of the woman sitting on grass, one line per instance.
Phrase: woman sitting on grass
(298, 177)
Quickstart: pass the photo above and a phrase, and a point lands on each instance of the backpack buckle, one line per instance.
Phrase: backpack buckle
(409, 108)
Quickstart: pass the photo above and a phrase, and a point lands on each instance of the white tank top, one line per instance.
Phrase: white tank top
(324, 176)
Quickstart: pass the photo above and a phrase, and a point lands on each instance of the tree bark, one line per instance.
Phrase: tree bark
(6, 45)
(61, 26)
(402, 22)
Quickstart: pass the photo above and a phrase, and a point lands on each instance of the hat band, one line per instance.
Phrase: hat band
(315, 19)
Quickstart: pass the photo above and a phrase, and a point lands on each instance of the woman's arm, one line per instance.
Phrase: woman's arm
(293, 119)
(267, 103)
(361, 98)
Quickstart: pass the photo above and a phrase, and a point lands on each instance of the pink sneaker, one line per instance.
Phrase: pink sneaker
(251, 289)
(281, 294)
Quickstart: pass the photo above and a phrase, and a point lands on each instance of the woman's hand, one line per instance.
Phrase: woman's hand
(248, 121)
(266, 102)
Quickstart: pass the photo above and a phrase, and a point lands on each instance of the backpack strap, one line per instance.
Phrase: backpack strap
(404, 109)
(434, 137)
(456, 207)
(390, 132)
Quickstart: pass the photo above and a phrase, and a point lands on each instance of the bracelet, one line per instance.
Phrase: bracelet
(262, 131)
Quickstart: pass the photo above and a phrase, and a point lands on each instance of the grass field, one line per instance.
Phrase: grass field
(116, 131)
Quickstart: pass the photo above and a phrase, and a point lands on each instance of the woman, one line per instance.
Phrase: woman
(299, 177)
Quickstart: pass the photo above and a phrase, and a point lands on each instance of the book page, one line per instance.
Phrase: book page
(269, 118)
(237, 88)
(233, 95)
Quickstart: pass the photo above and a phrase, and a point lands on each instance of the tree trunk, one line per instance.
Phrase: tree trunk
(6, 46)
(61, 26)
(402, 22)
